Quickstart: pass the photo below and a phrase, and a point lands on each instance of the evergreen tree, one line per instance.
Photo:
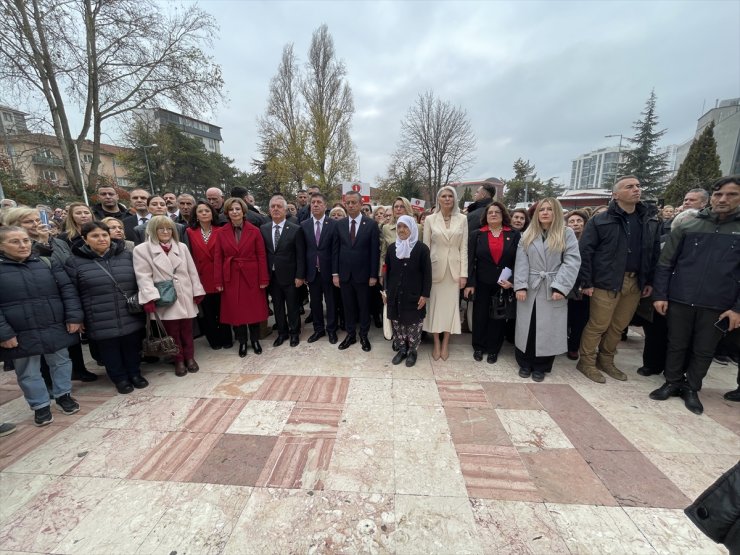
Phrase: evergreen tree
(700, 169)
(642, 160)
(525, 186)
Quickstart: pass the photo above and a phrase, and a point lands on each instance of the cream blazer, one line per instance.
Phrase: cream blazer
(448, 246)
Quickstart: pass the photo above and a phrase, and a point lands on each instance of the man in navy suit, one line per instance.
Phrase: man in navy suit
(322, 250)
(286, 264)
(357, 271)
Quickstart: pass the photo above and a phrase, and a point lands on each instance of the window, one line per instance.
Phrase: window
(8, 117)
(45, 152)
(51, 175)
(122, 182)
(87, 158)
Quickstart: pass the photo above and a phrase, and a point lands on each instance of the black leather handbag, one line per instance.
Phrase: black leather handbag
(503, 305)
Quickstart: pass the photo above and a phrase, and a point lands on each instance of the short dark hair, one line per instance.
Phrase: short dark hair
(169, 193)
(504, 214)
(722, 181)
(489, 188)
(104, 186)
(622, 178)
(92, 226)
(322, 196)
(239, 192)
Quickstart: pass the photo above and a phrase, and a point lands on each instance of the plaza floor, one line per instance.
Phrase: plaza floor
(314, 450)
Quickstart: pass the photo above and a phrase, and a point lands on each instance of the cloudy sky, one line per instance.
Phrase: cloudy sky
(545, 81)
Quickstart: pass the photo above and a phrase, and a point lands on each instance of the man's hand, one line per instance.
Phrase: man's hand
(298, 282)
(335, 281)
(588, 291)
(647, 291)
(73, 328)
(11, 343)
(468, 291)
(661, 307)
(372, 282)
(521, 296)
(734, 319)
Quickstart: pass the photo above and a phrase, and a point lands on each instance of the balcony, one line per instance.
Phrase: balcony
(42, 160)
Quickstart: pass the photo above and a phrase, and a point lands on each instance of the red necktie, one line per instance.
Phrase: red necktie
(352, 232)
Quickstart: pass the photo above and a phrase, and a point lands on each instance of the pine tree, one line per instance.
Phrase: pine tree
(700, 169)
(642, 160)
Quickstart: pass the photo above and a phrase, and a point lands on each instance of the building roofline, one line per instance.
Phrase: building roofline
(189, 117)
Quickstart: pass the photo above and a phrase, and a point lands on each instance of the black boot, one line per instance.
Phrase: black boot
(242, 349)
(667, 390)
(411, 358)
(400, 355)
(254, 335)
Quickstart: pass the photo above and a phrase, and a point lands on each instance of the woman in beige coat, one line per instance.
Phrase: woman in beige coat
(162, 257)
(446, 235)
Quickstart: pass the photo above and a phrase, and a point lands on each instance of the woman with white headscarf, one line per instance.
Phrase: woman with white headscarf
(408, 284)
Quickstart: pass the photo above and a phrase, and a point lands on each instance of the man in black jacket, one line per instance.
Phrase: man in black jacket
(286, 263)
(482, 198)
(697, 283)
(108, 207)
(619, 249)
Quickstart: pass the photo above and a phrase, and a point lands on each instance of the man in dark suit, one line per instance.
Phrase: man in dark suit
(304, 212)
(139, 199)
(286, 263)
(322, 259)
(357, 271)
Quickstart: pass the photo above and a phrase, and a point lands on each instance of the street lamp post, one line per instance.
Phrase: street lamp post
(148, 170)
(619, 153)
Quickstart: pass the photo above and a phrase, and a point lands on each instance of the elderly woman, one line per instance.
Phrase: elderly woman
(491, 249)
(547, 264)
(408, 286)
(103, 271)
(161, 258)
(78, 214)
(337, 212)
(446, 235)
(519, 219)
(240, 264)
(578, 304)
(117, 232)
(40, 314)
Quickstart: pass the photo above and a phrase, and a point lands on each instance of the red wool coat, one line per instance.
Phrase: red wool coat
(240, 270)
(204, 255)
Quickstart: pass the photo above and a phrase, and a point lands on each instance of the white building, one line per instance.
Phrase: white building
(596, 169)
(208, 133)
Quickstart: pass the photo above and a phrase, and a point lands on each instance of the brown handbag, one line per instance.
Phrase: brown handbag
(159, 344)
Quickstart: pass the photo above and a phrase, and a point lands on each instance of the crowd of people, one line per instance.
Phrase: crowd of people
(549, 281)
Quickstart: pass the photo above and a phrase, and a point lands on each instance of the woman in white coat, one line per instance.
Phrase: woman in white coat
(446, 235)
(160, 258)
(547, 264)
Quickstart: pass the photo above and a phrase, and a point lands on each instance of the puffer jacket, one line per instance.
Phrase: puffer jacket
(37, 301)
(104, 305)
(716, 512)
(604, 247)
(56, 250)
(700, 263)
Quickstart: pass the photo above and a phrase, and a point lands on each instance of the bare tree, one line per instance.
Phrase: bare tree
(440, 138)
(109, 57)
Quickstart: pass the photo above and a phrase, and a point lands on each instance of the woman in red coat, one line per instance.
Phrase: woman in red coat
(241, 273)
(203, 239)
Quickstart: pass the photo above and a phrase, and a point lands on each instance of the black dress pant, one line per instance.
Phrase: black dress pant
(656, 342)
(120, 356)
(578, 311)
(285, 296)
(488, 334)
(376, 301)
(321, 291)
(528, 359)
(245, 331)
(217, 334)
(355, 297)
(691, 329)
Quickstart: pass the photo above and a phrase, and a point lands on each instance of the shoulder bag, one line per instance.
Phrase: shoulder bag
(167, 293)
(132, 301)
(503, 305)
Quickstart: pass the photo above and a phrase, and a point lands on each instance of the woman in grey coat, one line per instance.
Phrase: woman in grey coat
(547, 264)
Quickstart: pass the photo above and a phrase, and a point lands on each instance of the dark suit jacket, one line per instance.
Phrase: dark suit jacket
(481, 267)
(128, 227)
(140, 234)
(358, 262)
(289, 259)
(327, 251)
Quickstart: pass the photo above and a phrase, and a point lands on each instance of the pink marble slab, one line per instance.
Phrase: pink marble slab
(503, 395)
(723, 411)
(459, 394)
(213, 415)
(478, 426)
(176, 457)
(284, 388)
(496, 472)
(297, 462)
(235, 459)
(327, 390)
(314, 420)
(8, 393)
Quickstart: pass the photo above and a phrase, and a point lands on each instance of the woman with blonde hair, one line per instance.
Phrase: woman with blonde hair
(115, 228)
(160, 258)
(78, 215)
(446, 235)
(547, 264)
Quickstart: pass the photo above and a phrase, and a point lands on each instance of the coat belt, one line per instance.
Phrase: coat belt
(539, 276)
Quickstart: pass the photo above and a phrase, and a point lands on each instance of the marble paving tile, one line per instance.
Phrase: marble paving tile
(16, 411)
(262, 418)
(299, 521)
(238, 386)
(692, 473)
(96, 452)
(559, 397)
(422, 370)
(192, 385)
(175, 458)
(562, 476)
(8, 393)
(727, 413)
(213, 415)
(670, 532)
(128, 519)
(510, 396)
(23, 441)
(330, 390)
(476, 426)
(420, 423)
(633, 480)
(235, 460)
(370, 391)
(366, 422)
(459, 394)
(496, 472)
(434, 524)
(314, 420)
(297, 463)
(588, 529)
(457, 371)
(17, 489)
(415, 392)
(138, 412)
(516, 527)
(46, 520)
(589, 429)
(199, 521)
(427, 468)
(706, 434)
(533, 430)
(284, 388)
(362, 466)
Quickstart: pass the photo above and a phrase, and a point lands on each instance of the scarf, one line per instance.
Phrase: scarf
(404, 248)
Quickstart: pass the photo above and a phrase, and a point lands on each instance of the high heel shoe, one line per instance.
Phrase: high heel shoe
(256, 347)
(435, 354)
(444, 353)
(242, 350)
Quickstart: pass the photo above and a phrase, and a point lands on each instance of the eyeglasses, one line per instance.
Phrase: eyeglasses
(164, 230)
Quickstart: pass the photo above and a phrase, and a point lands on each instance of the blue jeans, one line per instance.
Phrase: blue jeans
(28, 370)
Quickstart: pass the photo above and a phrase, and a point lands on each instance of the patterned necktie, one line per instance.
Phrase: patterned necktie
(318, 238)
(277, 236)
(352, 232)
